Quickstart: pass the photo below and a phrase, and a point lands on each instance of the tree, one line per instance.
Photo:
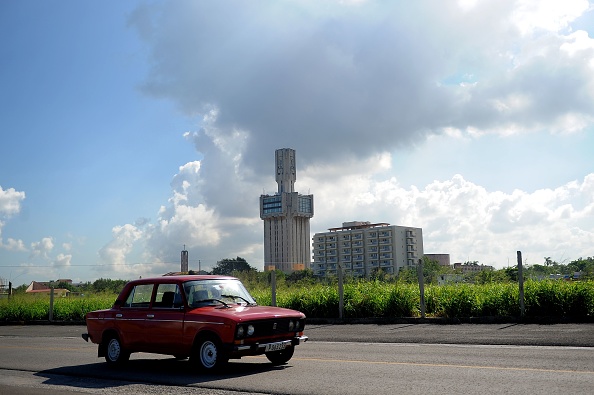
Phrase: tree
(301, 276)
(227, 266)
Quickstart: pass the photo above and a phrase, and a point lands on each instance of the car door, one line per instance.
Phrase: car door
(130, 320)
(164, 321)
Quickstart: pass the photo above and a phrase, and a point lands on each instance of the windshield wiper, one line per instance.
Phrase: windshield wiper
(213, 300)
(247, 302)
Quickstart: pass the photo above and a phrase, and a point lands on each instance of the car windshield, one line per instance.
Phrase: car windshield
(205, 292)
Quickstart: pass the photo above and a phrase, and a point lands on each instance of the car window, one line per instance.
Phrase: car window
(168, 296)
(140, 296)
(205, 292)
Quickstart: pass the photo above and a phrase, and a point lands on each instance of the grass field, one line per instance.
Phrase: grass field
(362, 299)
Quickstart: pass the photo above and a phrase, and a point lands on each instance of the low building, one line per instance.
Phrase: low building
(37, 287)
(465, 268)
(359, 248)
(441, 259)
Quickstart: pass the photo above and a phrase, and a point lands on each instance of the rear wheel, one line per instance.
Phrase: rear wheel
(114, 353)
(208, 354)
(281, 357)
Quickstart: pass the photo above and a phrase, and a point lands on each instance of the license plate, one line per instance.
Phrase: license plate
(275, 347)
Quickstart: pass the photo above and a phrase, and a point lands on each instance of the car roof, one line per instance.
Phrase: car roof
(181, 278)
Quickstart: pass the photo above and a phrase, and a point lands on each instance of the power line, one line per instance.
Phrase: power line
(93, 265)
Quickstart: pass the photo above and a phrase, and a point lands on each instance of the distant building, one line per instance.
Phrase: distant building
(360, 247)
(286, 217)
(184, 261)
(37, 287)
(441, 259)
(471, 268)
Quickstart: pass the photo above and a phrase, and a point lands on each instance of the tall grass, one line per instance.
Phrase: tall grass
(363, 299)
(37, 307)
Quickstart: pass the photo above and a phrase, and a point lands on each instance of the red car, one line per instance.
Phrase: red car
(209, 319)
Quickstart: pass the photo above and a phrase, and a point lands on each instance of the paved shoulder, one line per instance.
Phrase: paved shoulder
(577, 335)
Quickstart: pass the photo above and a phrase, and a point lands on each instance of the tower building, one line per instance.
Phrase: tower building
(184, 260)
(286, 217)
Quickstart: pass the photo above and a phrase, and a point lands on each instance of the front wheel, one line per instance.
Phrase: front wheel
(208, 354)
(114, 353)
(281, 357)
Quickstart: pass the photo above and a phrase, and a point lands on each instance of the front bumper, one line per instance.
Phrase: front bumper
(259, 348)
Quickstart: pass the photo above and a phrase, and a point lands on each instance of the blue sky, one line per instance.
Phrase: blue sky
(130, 129)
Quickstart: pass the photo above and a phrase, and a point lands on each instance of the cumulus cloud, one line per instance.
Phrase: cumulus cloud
(348, 84)
(10, 201)
(339, 78)
(471, 223)
(62, 260)
(42, 248)
(10, 205)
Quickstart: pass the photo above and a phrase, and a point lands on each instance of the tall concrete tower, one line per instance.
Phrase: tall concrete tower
(184, 260)
(286, 217)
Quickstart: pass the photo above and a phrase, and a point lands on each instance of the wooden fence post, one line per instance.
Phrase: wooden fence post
(51, 307)
(421, 286)
(340, 293)
(521, 284)
(273, 285)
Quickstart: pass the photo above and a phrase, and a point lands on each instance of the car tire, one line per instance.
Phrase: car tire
(114, 352)
(208, 354)
(280, 357)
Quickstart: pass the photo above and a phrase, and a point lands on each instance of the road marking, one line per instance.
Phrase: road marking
(438, 365)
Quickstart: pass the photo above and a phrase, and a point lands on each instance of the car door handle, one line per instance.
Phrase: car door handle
(150, 316)
(118, 316)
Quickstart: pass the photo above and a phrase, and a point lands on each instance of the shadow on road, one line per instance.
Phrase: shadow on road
(152, 371)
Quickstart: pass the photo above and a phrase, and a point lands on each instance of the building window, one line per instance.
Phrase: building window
(305, 205)
(272, 204)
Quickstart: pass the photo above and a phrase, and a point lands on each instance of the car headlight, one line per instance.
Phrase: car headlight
(291, 325)
(240, 331)
(250, 330)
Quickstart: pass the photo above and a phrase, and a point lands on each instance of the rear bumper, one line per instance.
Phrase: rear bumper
(260, 348)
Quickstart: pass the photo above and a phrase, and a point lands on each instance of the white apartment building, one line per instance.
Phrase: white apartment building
(360, 247)
(286, 217)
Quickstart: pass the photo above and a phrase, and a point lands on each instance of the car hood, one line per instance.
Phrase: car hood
(247, 313)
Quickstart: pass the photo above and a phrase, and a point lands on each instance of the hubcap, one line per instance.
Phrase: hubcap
(208, 354)
(113, 349)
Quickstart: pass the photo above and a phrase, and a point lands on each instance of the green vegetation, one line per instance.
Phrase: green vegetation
(36, 307)
(480, 294)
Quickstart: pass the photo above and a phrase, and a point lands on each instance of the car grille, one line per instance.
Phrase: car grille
(275, 326)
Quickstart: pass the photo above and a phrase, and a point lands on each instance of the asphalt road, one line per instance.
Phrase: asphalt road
(338, 359)
(572, 335)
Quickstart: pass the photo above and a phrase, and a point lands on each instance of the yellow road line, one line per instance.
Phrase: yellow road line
(440, 365)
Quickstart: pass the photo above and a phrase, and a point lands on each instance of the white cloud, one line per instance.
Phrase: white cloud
(42, 248)
(12, 244)
(115, 252)
(549, 15)
(62, 261)
(10, 201)
(350, 86)
(337, 80)
(10, 205)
